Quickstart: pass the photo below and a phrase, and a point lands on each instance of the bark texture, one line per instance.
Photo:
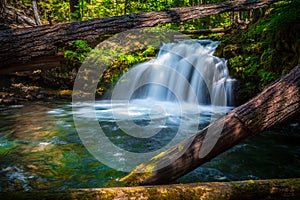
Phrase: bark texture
(22, 46)
(273, 105)
(258, 189)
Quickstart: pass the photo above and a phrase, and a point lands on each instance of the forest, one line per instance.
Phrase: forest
(260, 45)
(63, 60)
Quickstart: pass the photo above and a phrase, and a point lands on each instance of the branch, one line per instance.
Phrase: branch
(36, 13)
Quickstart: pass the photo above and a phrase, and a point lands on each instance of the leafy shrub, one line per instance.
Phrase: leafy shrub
(76, 52)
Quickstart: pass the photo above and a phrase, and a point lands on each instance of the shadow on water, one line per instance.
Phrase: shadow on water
(272, 154)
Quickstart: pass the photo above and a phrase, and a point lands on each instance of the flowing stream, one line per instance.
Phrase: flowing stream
(40, 149)
(155, 105)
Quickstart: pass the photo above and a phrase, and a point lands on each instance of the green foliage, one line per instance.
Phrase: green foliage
(121, 65)
(213, 21)
(76, 53)
(55, 10)
(284, 16)
(59, 11)
(268, 48)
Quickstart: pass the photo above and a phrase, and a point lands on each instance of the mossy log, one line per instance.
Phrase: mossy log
(273, 105)
(258, 189)
(206, 31)
(21, 47)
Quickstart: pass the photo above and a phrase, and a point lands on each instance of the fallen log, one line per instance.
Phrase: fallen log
(22, 46)
(252, 189)
(206, 31)
(273, 105)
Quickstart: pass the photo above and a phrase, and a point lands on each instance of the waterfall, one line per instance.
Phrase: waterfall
(183, 71)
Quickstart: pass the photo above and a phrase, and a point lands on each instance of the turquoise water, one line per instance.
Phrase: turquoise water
(41, 149)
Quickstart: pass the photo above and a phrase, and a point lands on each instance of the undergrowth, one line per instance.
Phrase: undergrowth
(268, 48)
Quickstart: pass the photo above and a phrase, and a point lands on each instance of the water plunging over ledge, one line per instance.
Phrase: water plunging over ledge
(186, 71)
(158, 104)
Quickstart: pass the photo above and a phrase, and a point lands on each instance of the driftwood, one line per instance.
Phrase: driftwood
(258, 189)
(273, 105)
(23, 46)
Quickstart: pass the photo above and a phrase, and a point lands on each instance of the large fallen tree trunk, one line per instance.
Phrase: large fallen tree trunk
(23, 46)
(273, 105)
(259, 189)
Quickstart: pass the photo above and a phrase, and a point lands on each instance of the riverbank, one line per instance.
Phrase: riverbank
(19, 93)
(24, 87)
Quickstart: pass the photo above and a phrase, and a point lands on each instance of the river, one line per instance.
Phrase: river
(41, 149)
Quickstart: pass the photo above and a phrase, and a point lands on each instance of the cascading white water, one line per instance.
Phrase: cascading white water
(185, 71)
(156, 105)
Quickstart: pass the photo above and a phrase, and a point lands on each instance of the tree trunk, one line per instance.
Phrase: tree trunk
(23, 46)
(257, 189)
(273, 105)
(36, 13)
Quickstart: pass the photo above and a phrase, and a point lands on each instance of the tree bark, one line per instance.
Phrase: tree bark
(257, 189)
(273, 105)
(23, 46)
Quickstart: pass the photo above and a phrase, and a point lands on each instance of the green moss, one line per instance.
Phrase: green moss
(252, 189)
(267, 49)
